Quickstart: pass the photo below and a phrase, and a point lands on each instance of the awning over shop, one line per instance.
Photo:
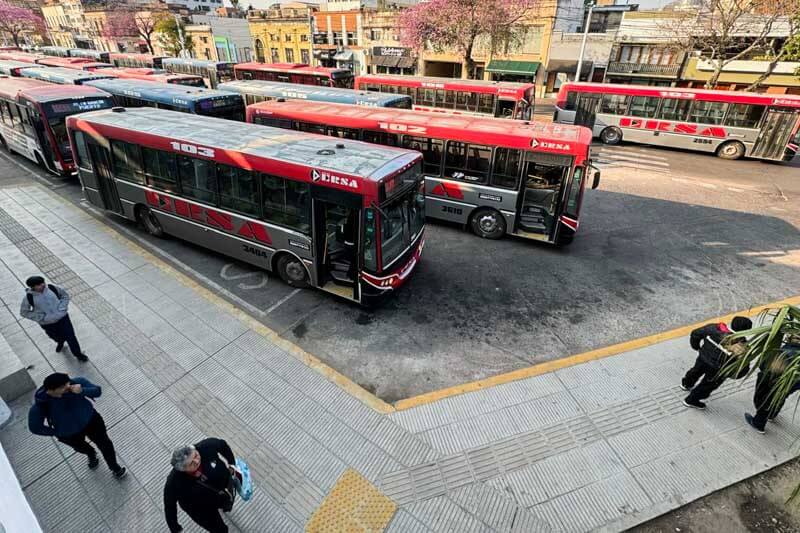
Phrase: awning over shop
(407, 62)
(325, 54)
(568, 66)
(385, 61)
(345, 55)
(521, 68)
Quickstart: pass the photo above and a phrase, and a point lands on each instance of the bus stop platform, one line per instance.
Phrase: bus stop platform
(597, 446)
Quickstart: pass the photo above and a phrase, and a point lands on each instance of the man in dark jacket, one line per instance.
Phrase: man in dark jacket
(48, 306)
(766, 381)
(202, 483)
(64, 404)
(710, 360)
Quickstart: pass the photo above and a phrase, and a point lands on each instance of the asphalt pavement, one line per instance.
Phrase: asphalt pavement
(669, 238)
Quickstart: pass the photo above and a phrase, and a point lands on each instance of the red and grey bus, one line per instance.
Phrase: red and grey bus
(339, 215)
(33, 119)
(76, 63)
(730, 124)
(62, 76)
(135, 60)
(55, 51)
(295, 73)
(96, 55)
(157, 75)
(212, 72)
(501, 99)
(12, 68)
(496, 176)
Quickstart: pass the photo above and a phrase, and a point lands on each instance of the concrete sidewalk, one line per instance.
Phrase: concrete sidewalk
(598, 446)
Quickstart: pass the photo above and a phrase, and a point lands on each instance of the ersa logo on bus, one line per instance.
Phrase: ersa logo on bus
(327, 177)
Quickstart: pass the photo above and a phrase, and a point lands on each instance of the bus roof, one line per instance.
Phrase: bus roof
(300, 68)
(25, 57)
(146, 74)
(64, 76)
(41, 91)
(79, 63)
(162, 93)
(6, 65)
(276, 89)
(736, 97)
(136, 56)
(318, 154)
(453, 84)
(201, 63)
(544, 136)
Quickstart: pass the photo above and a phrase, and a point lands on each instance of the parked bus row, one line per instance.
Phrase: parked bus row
(730, 124)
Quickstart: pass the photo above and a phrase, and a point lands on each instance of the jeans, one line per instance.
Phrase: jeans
(62, 331)
(95, 430)
(709, 383)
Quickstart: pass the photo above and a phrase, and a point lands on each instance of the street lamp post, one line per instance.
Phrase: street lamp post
(583, 42)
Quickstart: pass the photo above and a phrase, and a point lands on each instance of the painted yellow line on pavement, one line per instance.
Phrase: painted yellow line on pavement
(557, 364)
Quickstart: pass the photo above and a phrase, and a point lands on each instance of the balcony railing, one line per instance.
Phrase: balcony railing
(617, 67)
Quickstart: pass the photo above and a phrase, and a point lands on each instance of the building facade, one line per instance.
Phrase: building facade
(338, 39)
(220, 38)
(281, 34)
(57, 26)
(380, 38)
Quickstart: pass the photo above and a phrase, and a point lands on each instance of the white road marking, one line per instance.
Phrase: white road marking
(734, 189)
(169, 257)
(632, 153)
(633, 159)
(282, 300)
(707, 185)
(223, 273)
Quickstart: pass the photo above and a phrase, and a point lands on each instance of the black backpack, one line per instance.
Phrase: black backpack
(49, 286)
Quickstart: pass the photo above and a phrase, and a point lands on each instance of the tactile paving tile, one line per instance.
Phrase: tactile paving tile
(353, 505)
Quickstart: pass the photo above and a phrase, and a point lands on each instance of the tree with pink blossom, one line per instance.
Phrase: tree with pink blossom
(459, 25)
(126, 23)
(15, 20)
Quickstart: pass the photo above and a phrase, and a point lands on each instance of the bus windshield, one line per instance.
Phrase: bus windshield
(222, 109)
(57, 112)
(403, 217)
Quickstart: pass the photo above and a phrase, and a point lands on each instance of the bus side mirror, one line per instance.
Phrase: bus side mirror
(595, 176)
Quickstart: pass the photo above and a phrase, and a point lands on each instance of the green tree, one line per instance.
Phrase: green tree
(172, 36)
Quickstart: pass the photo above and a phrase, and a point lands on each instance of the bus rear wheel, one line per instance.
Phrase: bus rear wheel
(149, 221)
(292, 271)
(731, 150)
(611, 135)
(488, 223)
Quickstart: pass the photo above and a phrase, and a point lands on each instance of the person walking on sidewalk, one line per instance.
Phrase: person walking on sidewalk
(765, 384)
(48, 306)
(62, 409)
(710, 360)
(202, 483)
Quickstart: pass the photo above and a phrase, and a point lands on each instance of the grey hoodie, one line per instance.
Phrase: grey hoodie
(47, 308)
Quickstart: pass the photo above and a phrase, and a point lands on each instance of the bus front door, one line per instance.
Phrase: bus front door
(586, 110)
(336, 223)
(541, 191)
(776, 132)
(101, 163)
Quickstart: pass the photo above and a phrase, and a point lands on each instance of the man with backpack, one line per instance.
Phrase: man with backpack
(48, 306)
(64, 405)
(711, 359)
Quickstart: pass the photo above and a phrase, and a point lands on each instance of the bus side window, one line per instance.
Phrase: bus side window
(380, 137)
(126, 160)
(505, 172)
(643, 106)
(449, 99)
(431, 153)
(83, 156)
(744, 115)
(705, 112)
(468, 163)
(675, 109)
(238, 190)
(286, 202)
(198, 179)
(15, 117)
(26, 121)
(343, 133)
(311, 128)
(160, 169)
(486, 103)
(4, 112)
(614, 104)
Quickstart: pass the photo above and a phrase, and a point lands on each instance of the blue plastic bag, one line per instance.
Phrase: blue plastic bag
(245, 487)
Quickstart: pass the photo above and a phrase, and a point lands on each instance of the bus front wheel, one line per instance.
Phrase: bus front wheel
(731, 150)
(488, 223)
(149, 221)
(292, 271)
(611, 135)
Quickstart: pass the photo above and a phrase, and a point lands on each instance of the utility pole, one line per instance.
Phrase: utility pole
(590, 4)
